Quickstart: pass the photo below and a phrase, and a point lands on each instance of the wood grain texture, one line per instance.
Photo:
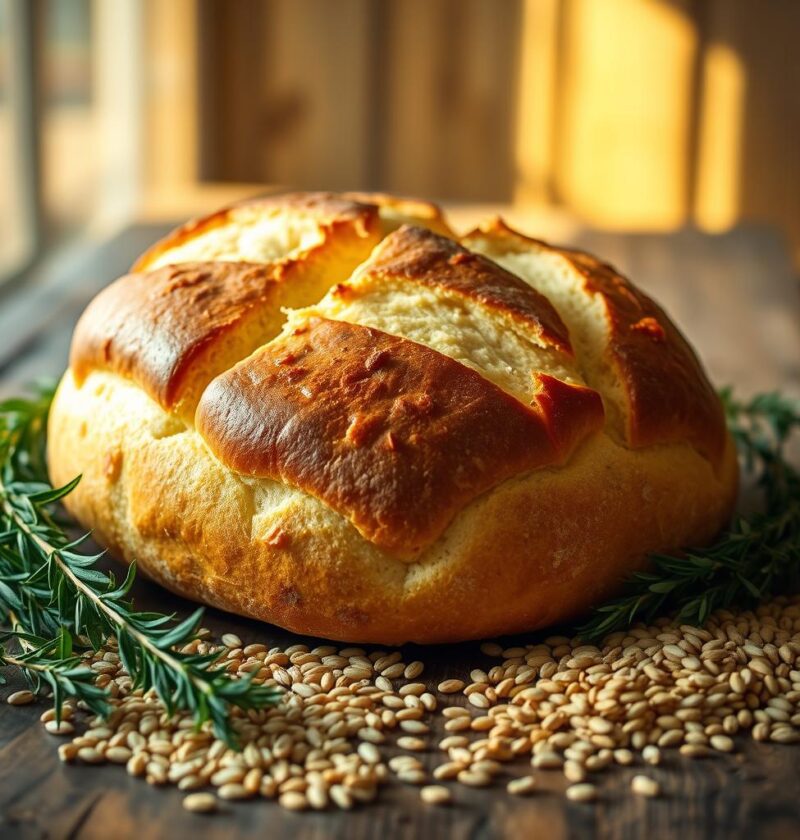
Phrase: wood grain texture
(286, 91)
(401, 96)
(447, 96)
(737, 300)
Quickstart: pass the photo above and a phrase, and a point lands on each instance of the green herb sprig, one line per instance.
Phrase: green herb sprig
(55, 599)
(51, 663)
(757, 556)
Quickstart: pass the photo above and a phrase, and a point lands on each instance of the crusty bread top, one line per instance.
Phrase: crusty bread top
(298, 221)
(396, 211)
(416, 255)
(174, 327)
(651, 380)
(393, 435)
(411, 373)
(138, 326)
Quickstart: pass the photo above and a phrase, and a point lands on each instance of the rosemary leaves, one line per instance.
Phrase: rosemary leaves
(54, 599)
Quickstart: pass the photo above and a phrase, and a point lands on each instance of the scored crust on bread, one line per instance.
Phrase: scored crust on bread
(136, 327)
(385, 431)
(416, 256)
(651, 379)
(275, 228)
(325, 412)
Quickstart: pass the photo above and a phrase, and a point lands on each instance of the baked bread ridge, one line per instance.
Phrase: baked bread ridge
(275, 551)
(374, 426)
(654, 387)
(510, 561)
(288, 226)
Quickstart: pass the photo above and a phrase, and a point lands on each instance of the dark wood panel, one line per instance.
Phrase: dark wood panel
(287, 87)
(449, 98)
(763, 40)
(403, 95)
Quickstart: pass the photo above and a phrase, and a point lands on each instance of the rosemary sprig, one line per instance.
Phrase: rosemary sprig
(757, 556)
(60, 599)
(51, 663)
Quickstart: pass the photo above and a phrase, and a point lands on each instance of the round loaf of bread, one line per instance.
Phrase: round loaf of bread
(331, 413)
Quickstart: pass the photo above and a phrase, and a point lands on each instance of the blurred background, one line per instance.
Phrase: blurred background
(634, 115)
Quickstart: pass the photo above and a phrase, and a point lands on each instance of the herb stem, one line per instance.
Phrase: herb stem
(8, 659)
(112, 614)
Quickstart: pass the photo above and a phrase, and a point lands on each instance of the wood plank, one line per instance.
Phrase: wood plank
(315, 117)
(448, 98)
(537, 101)
(763, 40)
(625, 112)
(172, 103)
(289, 88)
(230, 44)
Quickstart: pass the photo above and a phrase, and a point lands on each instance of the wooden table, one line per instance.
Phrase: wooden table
(737, 299)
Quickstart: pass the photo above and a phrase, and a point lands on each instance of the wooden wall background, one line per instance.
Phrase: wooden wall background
(415, 95)
(634, 114)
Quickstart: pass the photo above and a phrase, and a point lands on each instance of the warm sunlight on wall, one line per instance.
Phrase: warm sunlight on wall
(653, 114)
(629, 114)
(605, 110)
(720, 148)
(622, 154)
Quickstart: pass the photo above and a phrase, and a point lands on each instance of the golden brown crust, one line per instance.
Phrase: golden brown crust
(152, 327)
(172, 329)
(329, 210)
(669, 396)
(503, 517)
(416, 255)
(393, 435)
(536, 550)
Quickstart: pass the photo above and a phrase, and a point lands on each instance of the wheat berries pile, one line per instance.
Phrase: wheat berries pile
(352, 721)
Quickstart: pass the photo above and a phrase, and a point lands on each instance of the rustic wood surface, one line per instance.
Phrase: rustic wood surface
(736, 298)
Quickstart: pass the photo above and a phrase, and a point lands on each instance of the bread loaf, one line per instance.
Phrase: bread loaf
(329, 413)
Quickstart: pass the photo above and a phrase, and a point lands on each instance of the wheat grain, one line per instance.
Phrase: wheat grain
(559, 703)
